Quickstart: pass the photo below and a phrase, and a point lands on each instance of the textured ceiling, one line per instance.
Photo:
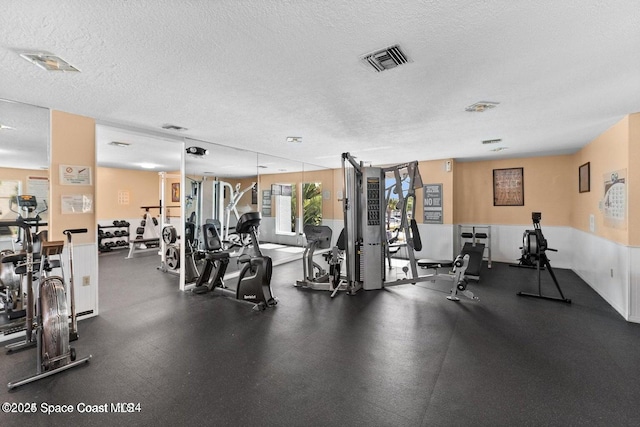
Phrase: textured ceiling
(247, 74)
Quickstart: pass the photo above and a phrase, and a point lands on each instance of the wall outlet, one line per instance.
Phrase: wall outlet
(86, 280)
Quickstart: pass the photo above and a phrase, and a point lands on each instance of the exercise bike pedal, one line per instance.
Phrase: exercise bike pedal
(200, 290)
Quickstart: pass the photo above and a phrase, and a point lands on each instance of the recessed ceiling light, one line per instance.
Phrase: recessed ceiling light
(262, 167)
(169, 126)
(48, 61)
(119, 144)
(209, 173)
(297, 139)
(499, 148)
(282, 170)
(5, 127)
(147, 165)
(481, 106)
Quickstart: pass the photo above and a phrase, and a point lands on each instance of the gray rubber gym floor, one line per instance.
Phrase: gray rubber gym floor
(404, 356)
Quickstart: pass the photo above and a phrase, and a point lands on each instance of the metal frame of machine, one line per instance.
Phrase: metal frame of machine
(364, 206)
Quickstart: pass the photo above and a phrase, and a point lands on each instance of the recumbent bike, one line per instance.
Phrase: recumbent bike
(254, 281)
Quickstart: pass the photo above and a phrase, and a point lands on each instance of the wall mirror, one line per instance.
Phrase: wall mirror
(220, 185)
(138, 178)
(24, 163)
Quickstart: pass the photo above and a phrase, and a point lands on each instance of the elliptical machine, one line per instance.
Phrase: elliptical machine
(51, 323)
(254, 281)
(534, 247)
(11, 292)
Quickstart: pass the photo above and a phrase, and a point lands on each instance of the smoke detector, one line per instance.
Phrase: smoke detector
(386, 59)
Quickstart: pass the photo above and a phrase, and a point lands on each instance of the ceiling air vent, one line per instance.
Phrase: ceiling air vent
(481, 106)
(48, 61)
(169, 126)
(491, 141)
(386, 59)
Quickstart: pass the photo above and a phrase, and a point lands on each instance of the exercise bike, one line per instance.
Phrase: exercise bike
(50, 326)
(254, 281)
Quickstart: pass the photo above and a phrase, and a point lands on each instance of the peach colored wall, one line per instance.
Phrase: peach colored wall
(549, 183)
(143, 188)
(434, 172)
(72, 143)
(21, 175)
(607, 153)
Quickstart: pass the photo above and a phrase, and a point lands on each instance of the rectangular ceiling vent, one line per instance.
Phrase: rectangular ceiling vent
(491, 141)
(386, 59)
(169, 126)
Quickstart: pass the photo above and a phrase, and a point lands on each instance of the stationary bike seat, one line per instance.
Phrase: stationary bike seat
(247, 221)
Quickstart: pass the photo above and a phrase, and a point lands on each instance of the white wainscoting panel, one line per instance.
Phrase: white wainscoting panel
(437, 241)
(634, 285)
(85, 264)
(605, 266)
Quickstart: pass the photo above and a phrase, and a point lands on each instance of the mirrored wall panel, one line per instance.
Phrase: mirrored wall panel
(138, 182)
(24, 166)
(220, 186)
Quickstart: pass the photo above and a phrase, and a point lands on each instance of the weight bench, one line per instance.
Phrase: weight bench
(434, 264)
(136, 246)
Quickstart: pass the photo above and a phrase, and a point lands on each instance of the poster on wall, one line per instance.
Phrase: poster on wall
(614, 203)
(508, 187)
(266, 203)
(432, 202)
(76, 203)
(39, 186)
(75, 175)
(8, 189)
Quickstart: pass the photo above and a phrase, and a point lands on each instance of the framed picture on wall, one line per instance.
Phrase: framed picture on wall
(175, 192)
(508, 187)
(584, 178)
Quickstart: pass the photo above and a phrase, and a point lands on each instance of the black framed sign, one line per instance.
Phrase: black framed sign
(508, 187)
(584, 178)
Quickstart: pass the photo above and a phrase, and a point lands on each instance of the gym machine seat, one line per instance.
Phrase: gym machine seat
(475, 248)
(247, 222)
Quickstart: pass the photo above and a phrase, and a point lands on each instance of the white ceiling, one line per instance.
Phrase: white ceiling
(249, 73)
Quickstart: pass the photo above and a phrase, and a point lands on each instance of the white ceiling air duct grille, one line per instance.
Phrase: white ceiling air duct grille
(386, 59)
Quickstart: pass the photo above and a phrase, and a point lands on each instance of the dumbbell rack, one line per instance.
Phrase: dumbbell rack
(106, 234)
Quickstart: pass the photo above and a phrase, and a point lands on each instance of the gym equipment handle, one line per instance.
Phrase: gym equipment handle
(75, 231)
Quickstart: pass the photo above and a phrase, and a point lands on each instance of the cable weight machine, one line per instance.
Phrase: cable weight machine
(364, 205)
